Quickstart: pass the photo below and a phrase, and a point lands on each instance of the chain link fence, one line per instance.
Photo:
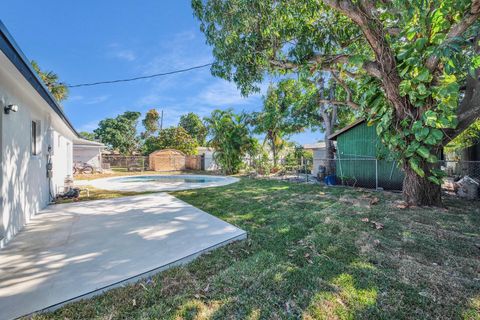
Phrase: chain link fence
(382, 174)
(122, 163)
(161, 163)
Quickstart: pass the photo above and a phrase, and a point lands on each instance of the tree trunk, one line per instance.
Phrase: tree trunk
(274, 153)
(420, 191)
(329, 154)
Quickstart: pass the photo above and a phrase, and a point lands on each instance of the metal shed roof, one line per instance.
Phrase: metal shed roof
(345, 129)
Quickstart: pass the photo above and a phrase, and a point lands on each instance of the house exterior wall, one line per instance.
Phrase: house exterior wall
(210, 164)
(208, 158)
(90, 155)
(25, 188)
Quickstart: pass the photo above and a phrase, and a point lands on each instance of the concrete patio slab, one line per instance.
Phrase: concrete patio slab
(70, 251)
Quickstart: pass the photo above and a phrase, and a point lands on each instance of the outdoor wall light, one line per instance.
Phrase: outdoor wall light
(10, 107)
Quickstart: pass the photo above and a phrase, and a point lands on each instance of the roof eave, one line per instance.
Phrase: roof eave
(13, 52)
(350, 126)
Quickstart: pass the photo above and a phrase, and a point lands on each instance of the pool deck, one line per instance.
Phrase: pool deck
(122, 183)
(73, 251)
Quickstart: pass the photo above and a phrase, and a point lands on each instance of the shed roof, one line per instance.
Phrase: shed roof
(87, 143)
(313, 146)
(13, 52)
(345, 129)
(167, 151)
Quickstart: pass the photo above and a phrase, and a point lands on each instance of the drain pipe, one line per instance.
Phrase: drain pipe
(50, 174)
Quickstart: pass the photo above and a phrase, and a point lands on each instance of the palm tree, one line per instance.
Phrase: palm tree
(58, 89)
(230, 138)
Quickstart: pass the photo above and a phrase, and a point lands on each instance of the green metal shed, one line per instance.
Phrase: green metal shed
(363, 161)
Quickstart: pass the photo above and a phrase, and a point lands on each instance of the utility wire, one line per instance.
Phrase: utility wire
(138, 78)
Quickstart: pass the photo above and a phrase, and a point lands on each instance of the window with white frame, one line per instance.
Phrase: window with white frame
(36, 143)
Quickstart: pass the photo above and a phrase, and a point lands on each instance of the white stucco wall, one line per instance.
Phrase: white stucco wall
(86, 154)
(24, 183)
(210, 164)
(208, 153)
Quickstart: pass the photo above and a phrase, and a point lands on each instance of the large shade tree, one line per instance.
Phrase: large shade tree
(415, 62)
(120, 133)
(314, 111)
(195, 127)
(275, 120)
(87, 135)
(171, 138)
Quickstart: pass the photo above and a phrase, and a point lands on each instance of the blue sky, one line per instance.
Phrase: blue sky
(88, 41)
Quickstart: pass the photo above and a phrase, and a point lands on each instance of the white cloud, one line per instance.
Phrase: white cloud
(98, 99)
(182, 50)
(221, 94)
(127, 55)
(75, 98)
(89, 126)
(224, 94)
(115, 50)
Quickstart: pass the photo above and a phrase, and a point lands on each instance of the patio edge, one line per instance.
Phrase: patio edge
(136, 278)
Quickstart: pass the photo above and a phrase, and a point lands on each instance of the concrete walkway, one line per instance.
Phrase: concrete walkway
(74, 250)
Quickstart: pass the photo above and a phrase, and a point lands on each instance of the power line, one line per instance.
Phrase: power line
(138, 78)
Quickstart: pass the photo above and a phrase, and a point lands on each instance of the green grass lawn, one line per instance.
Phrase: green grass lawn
(309, 255)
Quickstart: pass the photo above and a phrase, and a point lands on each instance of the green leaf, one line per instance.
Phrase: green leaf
(422, 133)
(412, 147)
(430, 117)
(422, 89)
(423, 75)
(404, 53)
(405, 87)
(476, 62)
(432, 158)
(423, 152)
(356, 60)
(411, 34)
(420, 43)
(414, 164)
(435, 180)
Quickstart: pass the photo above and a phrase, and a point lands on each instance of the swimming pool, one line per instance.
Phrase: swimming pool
(161, 182)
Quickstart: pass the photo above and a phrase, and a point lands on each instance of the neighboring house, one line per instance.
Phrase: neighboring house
(208, 161)
(319, 154)
(362, 160)
(90, 152)
(35, 144)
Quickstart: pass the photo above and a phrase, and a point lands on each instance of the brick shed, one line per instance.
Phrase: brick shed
(167, 160)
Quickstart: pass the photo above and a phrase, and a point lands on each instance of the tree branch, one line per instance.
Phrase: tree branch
(469, 109)
(384, 68)
(339, 103)
(348, 101)
(327, 63)
(455, 31)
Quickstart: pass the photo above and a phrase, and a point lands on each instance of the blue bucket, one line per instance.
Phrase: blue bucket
(331, 180)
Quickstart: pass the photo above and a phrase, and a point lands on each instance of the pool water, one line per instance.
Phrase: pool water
(167, 179)
(161, 182)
